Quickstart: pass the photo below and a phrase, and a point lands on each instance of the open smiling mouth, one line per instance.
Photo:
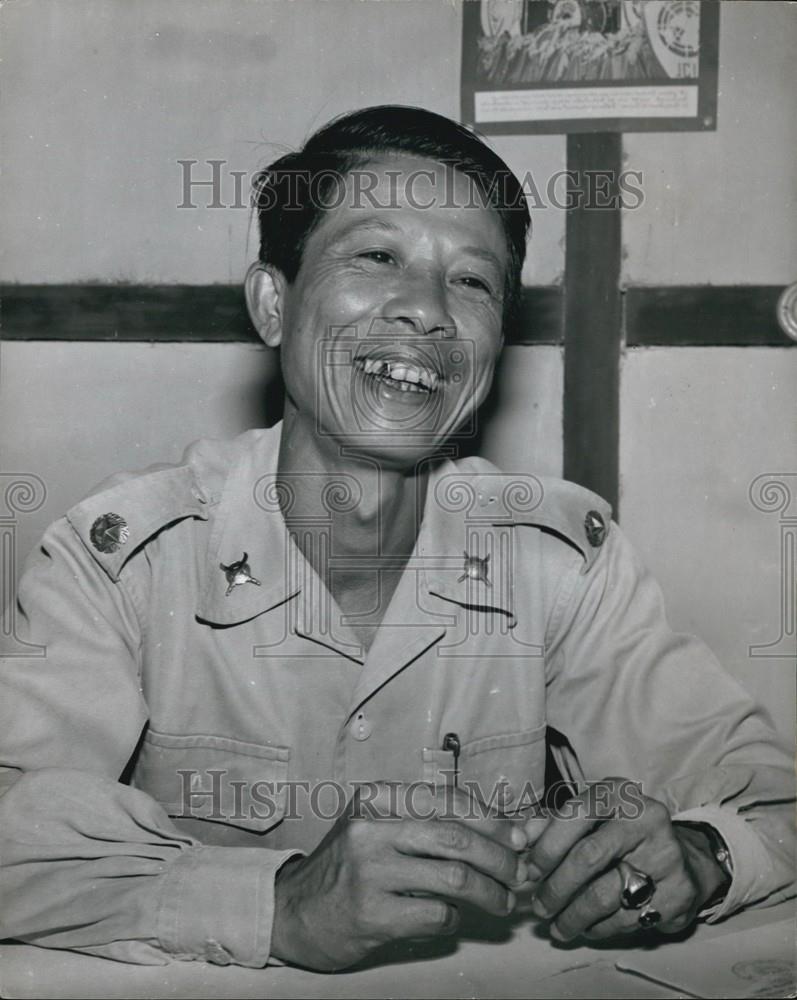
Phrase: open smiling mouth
(398, 374)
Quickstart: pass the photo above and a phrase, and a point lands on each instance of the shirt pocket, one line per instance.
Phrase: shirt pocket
(505, 772)
(215, 779)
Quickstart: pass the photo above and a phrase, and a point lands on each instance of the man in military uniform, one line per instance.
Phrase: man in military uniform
(281, 676)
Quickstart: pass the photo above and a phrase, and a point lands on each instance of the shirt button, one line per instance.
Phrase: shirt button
(360, 727)
(197, 495)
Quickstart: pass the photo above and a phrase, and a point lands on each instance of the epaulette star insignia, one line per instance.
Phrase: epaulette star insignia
(109, 533)
(595, 528)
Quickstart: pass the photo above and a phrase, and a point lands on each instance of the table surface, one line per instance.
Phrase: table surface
(492, 958)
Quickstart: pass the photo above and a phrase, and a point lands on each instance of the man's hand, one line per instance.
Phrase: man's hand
(573, 860)
(378, 877)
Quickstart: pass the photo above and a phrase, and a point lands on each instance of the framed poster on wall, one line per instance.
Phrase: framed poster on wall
(534, 66)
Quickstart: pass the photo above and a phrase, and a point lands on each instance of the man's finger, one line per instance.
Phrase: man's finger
(503, 829)
(456, 803)
(596, 902)
(583, 863)
(598, 803)
(619, 922)
(458, 881)
(425, 917)
(534, 827)
(674, 901)
(427, 802)
(457, 840)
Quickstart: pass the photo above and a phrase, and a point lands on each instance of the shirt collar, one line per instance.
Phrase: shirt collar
(465, 544)
(460, 524)
(249, 523)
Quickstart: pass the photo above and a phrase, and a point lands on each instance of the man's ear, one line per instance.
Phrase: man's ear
(265, 288)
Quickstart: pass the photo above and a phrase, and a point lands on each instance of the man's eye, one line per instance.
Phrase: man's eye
(378, 256)
(478, 284)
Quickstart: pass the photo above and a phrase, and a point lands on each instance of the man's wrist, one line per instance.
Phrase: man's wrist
(710, 860)
(281, 937)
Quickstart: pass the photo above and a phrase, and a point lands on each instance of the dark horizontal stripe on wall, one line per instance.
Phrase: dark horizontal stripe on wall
(193, 313)
(673, 316)
(124, 312)
(704, 316)
(540, 318)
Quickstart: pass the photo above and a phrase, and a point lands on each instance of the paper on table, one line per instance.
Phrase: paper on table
(759, 962)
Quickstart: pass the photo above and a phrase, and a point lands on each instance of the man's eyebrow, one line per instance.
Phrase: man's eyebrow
(487, 255)
(373, 223)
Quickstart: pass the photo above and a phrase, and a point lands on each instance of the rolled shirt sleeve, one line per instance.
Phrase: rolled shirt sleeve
(637, 700)
(753, 868)
(86, 862)
(95, 866)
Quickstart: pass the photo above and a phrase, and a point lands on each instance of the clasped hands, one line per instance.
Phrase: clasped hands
(382, 874)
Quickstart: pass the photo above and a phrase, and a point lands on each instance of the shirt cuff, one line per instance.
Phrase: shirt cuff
(217, 904)
(752, 867)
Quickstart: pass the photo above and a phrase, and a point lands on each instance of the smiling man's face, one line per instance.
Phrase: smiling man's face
(391, 330)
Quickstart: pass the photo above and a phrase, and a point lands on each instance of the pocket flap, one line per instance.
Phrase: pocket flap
(214, 778)
(504, 772)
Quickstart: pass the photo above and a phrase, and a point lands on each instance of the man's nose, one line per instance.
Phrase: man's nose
(421, 302)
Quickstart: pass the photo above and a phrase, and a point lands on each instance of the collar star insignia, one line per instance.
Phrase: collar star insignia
(238, 573)
(475, 569)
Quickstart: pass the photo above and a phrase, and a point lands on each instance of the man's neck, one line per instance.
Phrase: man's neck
(369, 507)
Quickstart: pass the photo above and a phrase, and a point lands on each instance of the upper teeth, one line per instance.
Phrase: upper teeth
(400, 371)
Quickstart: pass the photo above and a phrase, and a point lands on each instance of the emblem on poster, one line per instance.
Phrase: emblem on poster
(590, 65)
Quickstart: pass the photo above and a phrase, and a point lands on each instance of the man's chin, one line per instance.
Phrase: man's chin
(393, 442)
(391, 448)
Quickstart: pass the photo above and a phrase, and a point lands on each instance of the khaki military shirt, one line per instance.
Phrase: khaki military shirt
(184, 644)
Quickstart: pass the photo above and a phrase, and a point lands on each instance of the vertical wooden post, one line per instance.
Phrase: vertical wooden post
(593, 314)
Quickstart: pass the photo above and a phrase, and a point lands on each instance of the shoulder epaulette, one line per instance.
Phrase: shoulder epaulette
(129, 509)
(572, 512)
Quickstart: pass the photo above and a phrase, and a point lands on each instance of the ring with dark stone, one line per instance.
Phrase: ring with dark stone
(638, 888)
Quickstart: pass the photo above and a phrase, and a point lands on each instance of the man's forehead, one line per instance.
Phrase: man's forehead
(365, 222)
(408, 176)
